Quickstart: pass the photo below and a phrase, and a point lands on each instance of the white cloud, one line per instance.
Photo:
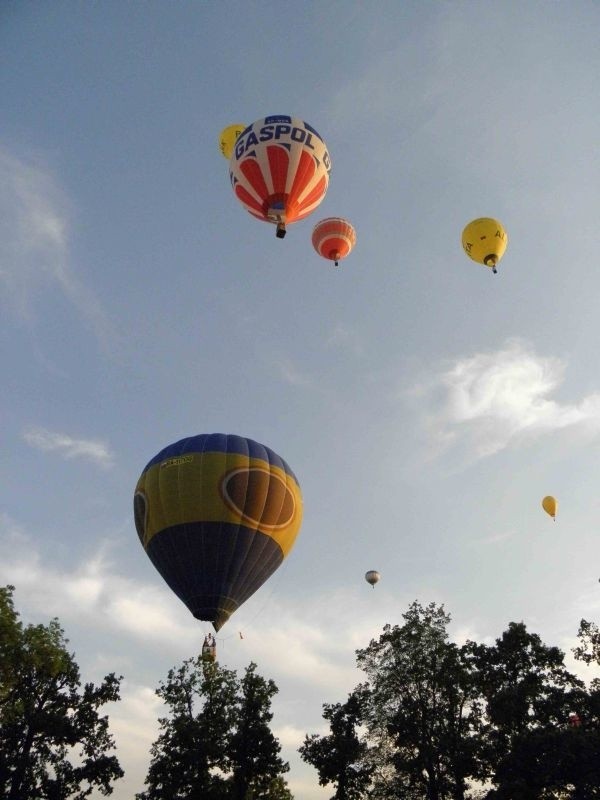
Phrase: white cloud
(496, 538)
(303, 652)
(68, 447)
(490, 401)
(134, 724)
(366, 96)
(343, 337)
(308, 789)
(311, 647)
(308, 650)
(34, 242)
(137, 714)
(292, 737)
(291, 374)
(92, 593)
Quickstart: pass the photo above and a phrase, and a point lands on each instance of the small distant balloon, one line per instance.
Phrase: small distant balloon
(550, 505)
(372, 577)
(484, 240)
(333, 238)
(228, 136)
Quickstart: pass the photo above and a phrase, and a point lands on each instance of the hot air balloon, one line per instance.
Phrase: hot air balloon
(217, 514)
(279, 170)
(484, 240)
(550, 506)
(333, 238)
(372, 577)
(227, 138)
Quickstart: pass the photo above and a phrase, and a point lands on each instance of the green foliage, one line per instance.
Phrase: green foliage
(435, 721)
(216, 742)
(340, 758)
(423, 705)
(53, 743)
(254, 750)
(534, 750)
(589, 647)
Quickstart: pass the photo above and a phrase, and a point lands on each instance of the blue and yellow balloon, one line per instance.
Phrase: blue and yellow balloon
(217, 514)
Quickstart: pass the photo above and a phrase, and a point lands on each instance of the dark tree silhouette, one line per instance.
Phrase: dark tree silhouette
(53, 743)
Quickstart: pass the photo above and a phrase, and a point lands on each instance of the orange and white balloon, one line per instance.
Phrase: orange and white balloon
(279, 170)
(333, 238)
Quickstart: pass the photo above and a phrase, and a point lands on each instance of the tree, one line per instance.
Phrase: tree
(189, 758)
(533, 750)
(53, 743)
(589, 648)
(423, 708)
(254, 750)
(341, 757)
(216, 742)
(435, 721)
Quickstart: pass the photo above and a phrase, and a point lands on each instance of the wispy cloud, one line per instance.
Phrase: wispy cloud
(92, 593)
(69, 448)
(300, 647)
(366, 96)
(486, 402)
(496, 538)
(291, 374)
(303, 652)
(292, 737)
(308, 651)
(34, 242)
(344, 337)
(134, 723)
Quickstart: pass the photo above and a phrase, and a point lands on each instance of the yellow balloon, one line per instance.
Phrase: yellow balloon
(228, 136)
(484, 240)
(550, 506)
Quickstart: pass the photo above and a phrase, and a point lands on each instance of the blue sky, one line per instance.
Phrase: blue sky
(425, 405)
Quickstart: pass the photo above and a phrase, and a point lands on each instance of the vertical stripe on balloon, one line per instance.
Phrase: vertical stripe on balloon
(280, 171)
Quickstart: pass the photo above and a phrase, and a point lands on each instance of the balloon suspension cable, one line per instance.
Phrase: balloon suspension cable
(273, 584)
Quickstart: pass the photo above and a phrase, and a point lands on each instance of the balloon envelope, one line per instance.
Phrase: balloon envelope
(550, 506)
(372, 577)
(227, 138)
(217, 514)
(484, 240)
(333, 238)
(279, 169)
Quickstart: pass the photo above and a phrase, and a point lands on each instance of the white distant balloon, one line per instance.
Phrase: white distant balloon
(372, 577)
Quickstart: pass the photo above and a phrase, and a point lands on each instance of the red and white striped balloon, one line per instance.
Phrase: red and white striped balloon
(333, 238)
(279, 170)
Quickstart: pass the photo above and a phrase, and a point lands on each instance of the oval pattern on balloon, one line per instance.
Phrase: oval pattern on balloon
(259, 496)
